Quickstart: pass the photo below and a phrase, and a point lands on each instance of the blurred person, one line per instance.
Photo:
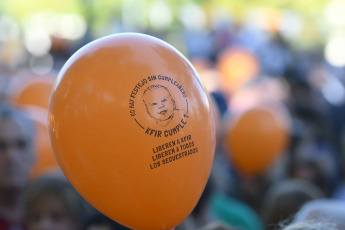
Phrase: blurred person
(221, 170)
(217, 211)
(201, 215)
(322, 214)
(98, 221)
(220, 100)
(325, 210)
(4, 85)
(275, 55)
(313, 152)
(302, 98)
(198, 43)
(284, 199)
(309, 170)
(16, 161)
(217, 226)
(317, 161)
(251, 189)
(234, 213)
(52, 203)
(313, 226)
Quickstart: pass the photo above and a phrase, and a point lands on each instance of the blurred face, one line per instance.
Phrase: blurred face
(50, 214)
(16, 154)
(159, 104)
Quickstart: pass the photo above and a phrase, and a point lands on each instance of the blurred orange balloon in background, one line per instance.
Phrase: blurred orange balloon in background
(45, 158)
(131, 125)
(237, 67)
(33, 90)
(256, 138)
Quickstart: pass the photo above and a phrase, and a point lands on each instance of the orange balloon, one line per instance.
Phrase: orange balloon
(256, 138)
(131, 127)
(33, 91)
(237, 66)
(45, 158)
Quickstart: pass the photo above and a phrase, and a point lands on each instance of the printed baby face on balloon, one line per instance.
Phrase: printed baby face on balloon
(159, 103)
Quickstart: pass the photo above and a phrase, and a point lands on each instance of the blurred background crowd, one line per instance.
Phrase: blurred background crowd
(275, 73)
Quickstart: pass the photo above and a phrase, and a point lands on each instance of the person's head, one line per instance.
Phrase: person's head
(100, 222)
(159, 103)
(284, 199)
(325, 210)
(309, 170)
(52, 203)
(315, 225)
(16, 148)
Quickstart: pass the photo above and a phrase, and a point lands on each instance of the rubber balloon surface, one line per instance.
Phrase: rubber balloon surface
(237, 67)
(256, 138)
(131, 127)
(33, 91)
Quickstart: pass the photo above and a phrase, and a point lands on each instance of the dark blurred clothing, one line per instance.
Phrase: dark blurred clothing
(6, 225)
